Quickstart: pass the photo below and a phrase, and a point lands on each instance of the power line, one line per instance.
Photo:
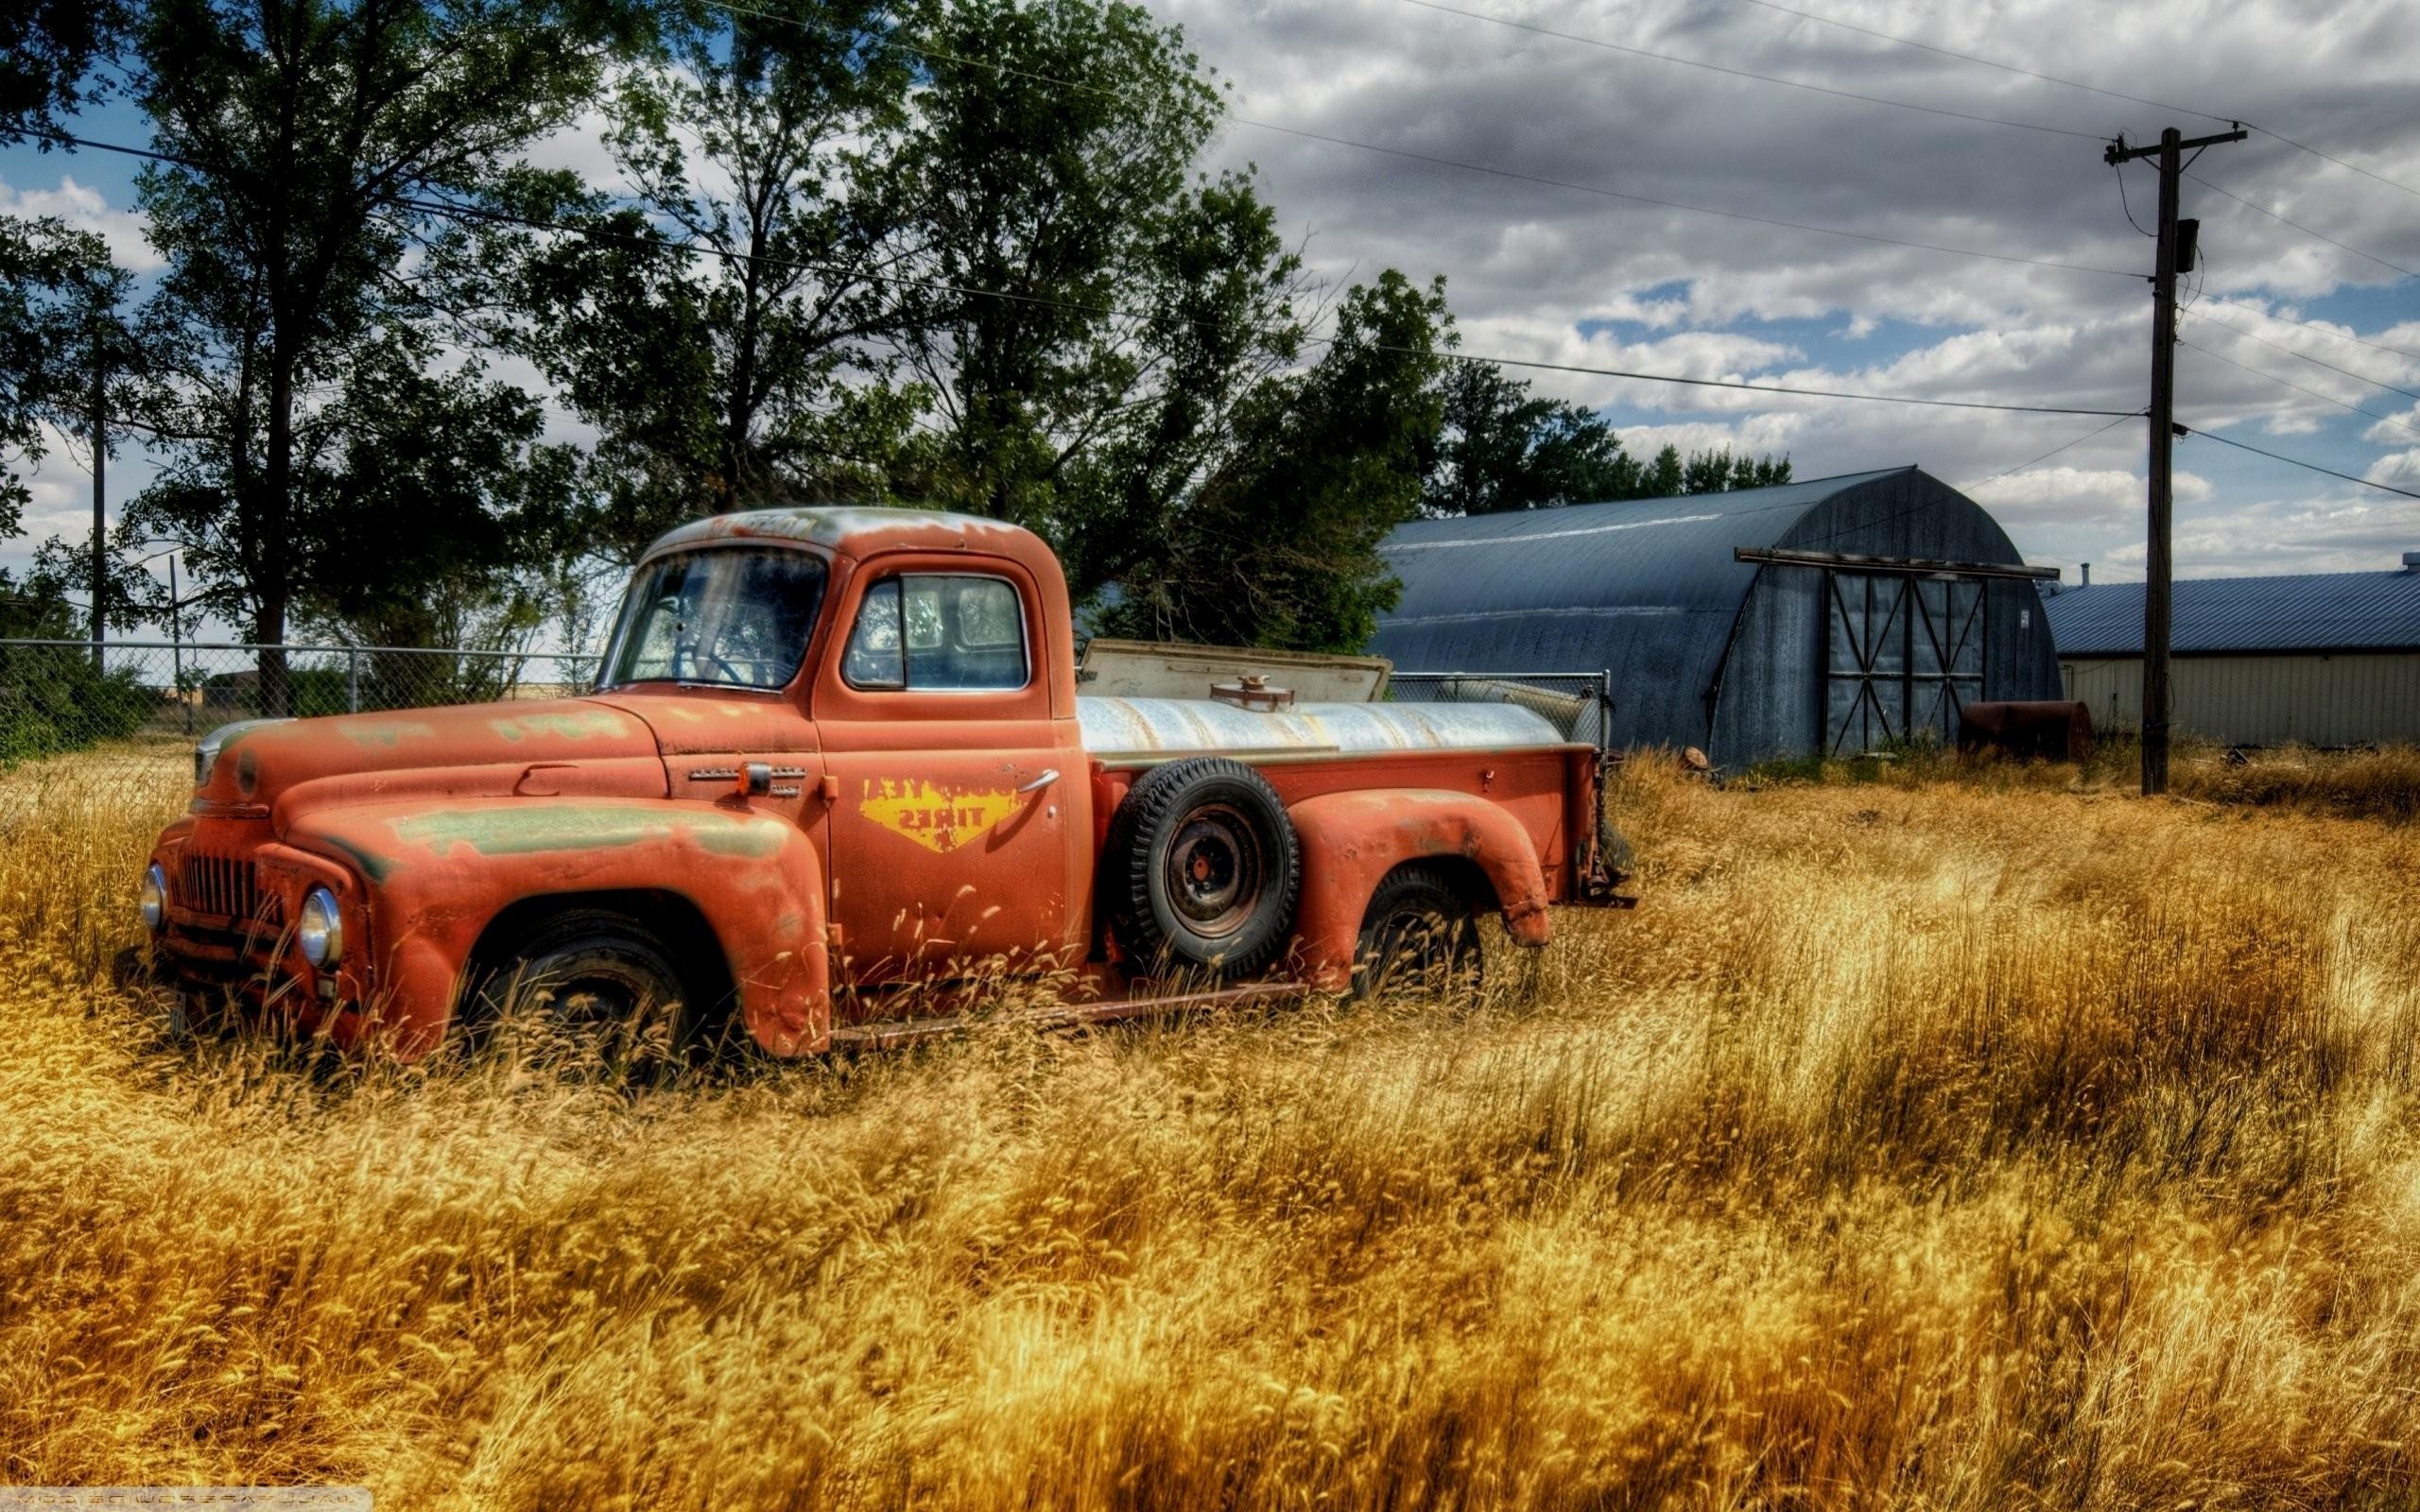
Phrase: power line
(2338, 162)
(2387, 419)
(2297, 225)
(1744, 73)
(2120, 169)
(2311, 325)
(2296, 461)
(2316, 362)
(2098, 430)
(2073, 83)
(1762, 389)
(482, 213)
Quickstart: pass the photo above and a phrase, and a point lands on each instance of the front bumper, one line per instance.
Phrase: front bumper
(227, 942)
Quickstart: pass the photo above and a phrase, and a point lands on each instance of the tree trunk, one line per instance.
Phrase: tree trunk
(273, 589)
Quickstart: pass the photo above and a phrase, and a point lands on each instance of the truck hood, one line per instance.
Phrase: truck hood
(478, 746)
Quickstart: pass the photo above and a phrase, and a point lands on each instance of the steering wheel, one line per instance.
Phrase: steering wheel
(691, 651)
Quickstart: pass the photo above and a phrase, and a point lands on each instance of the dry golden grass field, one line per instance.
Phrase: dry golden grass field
(1961, 1139)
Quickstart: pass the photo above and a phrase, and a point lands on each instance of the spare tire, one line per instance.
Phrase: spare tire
(1202, 867)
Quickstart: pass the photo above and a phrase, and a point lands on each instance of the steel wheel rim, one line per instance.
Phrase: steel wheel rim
(1416, 949)
(597, 996)
(1213, 870)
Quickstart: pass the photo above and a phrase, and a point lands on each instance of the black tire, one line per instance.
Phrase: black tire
(593, 983)
(1418, 935)
(1203, 868)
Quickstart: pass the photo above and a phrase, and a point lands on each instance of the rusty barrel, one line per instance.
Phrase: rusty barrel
(2054, 730)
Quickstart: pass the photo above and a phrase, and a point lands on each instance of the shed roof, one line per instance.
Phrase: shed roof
(2314, 612)
(1589, 560)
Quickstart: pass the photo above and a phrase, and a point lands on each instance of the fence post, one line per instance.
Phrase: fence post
(353, 680)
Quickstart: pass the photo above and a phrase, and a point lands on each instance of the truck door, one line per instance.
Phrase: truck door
(958, 828)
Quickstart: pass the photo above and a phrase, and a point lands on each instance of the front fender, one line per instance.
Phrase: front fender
(1352, 840)
(432, 878)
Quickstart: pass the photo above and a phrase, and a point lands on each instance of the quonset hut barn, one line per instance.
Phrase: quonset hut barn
(1834, 615)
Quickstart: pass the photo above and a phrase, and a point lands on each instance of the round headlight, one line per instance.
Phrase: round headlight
(321, 931)
(154, 897)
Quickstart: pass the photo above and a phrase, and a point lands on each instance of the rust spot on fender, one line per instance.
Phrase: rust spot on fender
(522, 829)
(372, 864)
(588, 724)
(388, 732)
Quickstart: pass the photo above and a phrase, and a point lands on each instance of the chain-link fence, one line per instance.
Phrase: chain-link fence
(129, 714)
(134, 708)
(1581, 704)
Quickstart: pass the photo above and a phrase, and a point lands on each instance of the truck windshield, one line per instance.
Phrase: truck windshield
(730, 616)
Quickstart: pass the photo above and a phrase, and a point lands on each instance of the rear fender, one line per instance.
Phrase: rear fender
(429, 880)
(1352, 840)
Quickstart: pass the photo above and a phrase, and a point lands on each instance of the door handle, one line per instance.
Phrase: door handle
(1049, 775)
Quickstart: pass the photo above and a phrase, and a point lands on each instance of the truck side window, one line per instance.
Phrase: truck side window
(939, 630)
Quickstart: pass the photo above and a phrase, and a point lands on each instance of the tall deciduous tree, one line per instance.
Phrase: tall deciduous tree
(47, 50)
(301, 242)
(1052, 166)
(58, 315)
(1279, 547)
(766, 140)
(1503, 447)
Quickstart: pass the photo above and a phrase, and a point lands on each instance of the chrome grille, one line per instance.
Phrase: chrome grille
(223, 886)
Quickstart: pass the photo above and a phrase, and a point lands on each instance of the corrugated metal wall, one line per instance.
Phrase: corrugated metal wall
(2346, 699)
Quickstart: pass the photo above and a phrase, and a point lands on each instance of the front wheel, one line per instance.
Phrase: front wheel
(1418, 937)
(596, 986)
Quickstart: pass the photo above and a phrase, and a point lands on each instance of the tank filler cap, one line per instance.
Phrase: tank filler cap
(1252, 690)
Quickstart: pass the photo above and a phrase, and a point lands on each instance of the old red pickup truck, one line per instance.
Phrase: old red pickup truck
(835, 762)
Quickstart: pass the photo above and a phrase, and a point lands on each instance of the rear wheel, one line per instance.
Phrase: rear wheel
(592, 986)
(1418, 937)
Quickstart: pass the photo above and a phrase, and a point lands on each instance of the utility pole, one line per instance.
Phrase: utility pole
(100, 468)
(2174, 256)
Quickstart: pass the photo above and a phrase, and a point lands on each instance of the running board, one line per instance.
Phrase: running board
(884, 1034)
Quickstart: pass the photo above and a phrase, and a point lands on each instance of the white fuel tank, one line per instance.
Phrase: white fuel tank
(1147, 731)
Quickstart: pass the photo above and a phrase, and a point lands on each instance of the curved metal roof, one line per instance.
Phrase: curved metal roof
(1648, 587)
(2316, 611)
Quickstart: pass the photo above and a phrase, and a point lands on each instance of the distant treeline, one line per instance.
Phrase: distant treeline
(953, 252)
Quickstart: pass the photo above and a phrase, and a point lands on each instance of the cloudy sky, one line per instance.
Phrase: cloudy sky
(1559, 274)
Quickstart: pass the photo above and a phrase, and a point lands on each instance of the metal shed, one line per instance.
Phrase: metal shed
(1833, 615)
(2326, 659)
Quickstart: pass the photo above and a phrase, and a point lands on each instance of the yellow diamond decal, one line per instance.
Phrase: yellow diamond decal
(937, 819)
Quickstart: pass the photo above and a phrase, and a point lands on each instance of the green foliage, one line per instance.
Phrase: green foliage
(1071, 202)
(53, 699)
(1502, 448)
(308, 295)
(743, 379)
(47, 50)
(58, 293)
(1280, 547)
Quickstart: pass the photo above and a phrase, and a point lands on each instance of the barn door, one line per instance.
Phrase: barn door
(1945, 654)
(1902, 656)
(1866, 675)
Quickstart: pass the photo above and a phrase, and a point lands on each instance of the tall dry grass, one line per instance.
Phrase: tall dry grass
(1928, 1144)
